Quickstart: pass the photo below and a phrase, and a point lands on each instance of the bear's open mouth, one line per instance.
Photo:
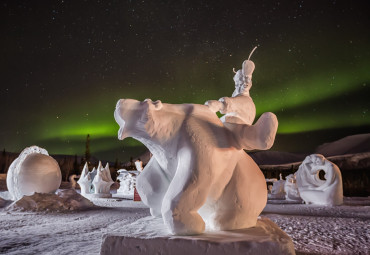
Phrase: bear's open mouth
(120, 122)
(120, 133)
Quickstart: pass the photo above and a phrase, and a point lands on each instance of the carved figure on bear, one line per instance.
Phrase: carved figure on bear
(198, 173)
(239, 113)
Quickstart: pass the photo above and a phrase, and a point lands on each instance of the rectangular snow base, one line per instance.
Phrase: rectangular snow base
(143, 237)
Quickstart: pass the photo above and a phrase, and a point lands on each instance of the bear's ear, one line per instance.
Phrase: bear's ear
(158, 105)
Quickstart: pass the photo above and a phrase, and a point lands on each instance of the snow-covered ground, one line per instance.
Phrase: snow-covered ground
(314, 229)
(325, 230)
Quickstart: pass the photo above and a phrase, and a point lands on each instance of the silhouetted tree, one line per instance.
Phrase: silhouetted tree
(116, 164)
(87, 150)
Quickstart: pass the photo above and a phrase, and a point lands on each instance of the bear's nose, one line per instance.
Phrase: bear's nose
(119, 103)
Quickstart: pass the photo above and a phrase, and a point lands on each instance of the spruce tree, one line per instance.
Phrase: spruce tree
(87, 150)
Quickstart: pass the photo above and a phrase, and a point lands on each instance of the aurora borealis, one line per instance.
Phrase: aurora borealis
(66, 63)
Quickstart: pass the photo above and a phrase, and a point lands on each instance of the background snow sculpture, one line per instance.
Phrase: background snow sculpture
(127, 181)
(72, 180)
(139, 165)
(277, 191)
(102, 182)
(85, 181)
(33, 171)
(312, 189)
(240, 112)
(291, 188)
(93, 173)
(198, 172)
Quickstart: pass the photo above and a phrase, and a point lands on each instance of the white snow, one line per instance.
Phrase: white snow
(149, 235)
(314, 229)
(63, 200)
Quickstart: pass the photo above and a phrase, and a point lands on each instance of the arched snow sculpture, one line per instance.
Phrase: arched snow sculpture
(312, 189)
(33, 171)
(102, 182)
(291, 189)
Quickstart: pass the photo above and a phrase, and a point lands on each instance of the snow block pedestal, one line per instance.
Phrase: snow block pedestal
(150, 236)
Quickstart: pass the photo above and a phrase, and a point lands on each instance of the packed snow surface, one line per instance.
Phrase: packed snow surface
(63, 200)
(314, 229)
(149, 235)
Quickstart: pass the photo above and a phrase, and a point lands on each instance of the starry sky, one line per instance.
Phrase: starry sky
(64, 65)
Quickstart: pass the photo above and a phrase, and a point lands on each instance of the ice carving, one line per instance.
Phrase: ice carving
(127, 181)
(198, 171)
(33, 171)
(85, 181)
(102, 182)
(277, 191)
(240, 112)
(312, 189)
(291, 188)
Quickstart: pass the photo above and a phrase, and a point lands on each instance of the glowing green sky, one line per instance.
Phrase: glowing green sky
(64, 70)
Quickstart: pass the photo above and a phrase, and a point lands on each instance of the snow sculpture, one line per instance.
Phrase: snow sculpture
(198, 171)
(102, 182)
(85, 181)
(127, 182)
(312, 189)
(240, 112)
(291, 188)
(277, 191)
(72, 180)
(93, 173)
(33, 171)
(139, 165)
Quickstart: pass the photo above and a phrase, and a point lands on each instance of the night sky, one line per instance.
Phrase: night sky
(64, 65)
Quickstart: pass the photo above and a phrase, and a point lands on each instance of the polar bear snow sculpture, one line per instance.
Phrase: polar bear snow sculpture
(312, 189)
(197, 172)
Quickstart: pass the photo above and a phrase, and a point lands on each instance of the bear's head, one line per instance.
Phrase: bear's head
(132, 116)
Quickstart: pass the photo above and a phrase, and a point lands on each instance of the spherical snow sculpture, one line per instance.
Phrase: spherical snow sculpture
(312, 189)
(33, 171)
